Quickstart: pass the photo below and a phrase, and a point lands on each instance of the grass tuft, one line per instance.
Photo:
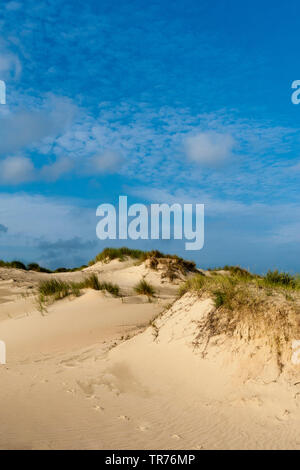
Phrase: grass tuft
(55, 289)
(58, 289)
(144, 288)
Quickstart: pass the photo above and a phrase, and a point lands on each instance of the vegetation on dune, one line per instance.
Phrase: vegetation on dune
(272, 278)
(13, 264)
(109, 254)
(144, 288)
(121, 254)
(92, 282)
(280, 279)
(249, 307)
(36, 267)
(56, 289)
(237, 270)
(69, 270)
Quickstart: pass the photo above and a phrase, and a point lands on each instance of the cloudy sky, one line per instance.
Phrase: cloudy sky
(182, 101)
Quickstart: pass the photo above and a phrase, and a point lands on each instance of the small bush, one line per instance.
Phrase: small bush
(36, 267)
(143, 287)
(219, 298)
(61, 270)
(18, 265)
(280, 278)
(4, 264)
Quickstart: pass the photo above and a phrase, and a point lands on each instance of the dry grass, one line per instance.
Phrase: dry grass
(248, 309)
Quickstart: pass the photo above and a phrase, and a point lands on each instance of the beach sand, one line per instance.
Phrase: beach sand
(99, 372)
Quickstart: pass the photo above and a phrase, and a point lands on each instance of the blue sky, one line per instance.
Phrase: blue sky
(183, 101)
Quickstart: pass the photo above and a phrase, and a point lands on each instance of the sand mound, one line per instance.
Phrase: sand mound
(100, 372)
(227, 387)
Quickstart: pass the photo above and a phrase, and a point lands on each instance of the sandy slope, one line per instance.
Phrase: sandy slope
(92, 374)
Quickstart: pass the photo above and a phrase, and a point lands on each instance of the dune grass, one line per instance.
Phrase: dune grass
(109, 254)
(56, 289)
(144, 288)
(92, 282)
(249, 308)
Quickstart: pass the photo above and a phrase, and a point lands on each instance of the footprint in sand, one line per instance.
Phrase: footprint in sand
(87, 389)
(143, 428)
(283, 415)
(176, 436)
(98, 408)
(68, 364)
(124, 418)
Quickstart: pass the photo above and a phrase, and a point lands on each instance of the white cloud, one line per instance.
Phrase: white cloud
(16, 170)
(54, 171)
(10, 66)
(107, 162)
(25, 128)
(209, 148)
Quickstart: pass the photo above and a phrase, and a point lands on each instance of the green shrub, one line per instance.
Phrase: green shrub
(219, 298)
(4, 264)
(18, 265)
(36, 267)
(280, 278)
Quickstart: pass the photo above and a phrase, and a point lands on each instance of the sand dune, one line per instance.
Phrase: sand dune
(98, 372)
